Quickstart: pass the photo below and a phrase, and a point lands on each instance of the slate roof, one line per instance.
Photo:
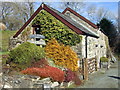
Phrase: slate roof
(81, 17)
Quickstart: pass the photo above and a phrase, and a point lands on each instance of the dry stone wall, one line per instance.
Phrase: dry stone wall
(14, 42)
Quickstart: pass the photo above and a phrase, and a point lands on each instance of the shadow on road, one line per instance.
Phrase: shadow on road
(114, 77)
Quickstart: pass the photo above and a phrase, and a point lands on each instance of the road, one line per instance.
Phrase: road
(104, 78)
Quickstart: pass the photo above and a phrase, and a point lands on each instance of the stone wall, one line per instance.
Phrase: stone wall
(14, 42)
(27, 81)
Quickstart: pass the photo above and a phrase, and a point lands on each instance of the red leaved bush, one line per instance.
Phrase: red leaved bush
(69, 75)
(72, 76)
(77, 79)
(41, 63)
(46, 71)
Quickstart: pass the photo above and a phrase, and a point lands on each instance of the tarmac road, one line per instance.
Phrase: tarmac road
(104, 78)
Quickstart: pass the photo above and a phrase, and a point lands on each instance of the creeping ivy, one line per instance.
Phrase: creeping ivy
(53, 28)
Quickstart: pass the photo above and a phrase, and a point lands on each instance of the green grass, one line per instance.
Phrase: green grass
(4, 43)
(72, 86)
(3, 53)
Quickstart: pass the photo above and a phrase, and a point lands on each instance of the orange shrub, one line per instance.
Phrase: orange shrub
(62, 55)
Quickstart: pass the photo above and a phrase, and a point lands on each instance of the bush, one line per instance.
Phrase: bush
(104, 59)
(72, 76)
(50, 27)
(41, 63)
(51, 63)
(26, 53)
(62, 55)
(69, 75)
(77, 79)
(4, 58)
(47, 71)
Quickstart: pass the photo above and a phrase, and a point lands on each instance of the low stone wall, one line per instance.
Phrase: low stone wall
(14, 42)
(26, 81)
(29, 81)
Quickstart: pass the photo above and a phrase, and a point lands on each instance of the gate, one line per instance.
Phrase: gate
(87, 66)
(92, 65)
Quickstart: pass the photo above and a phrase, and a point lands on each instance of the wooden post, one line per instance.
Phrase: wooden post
(85, 69)
(96, 63)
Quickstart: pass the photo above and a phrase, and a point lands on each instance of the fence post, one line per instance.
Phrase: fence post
(96, 63)
(85, 69)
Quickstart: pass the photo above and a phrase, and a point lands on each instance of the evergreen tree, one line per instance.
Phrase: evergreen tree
(108, 28)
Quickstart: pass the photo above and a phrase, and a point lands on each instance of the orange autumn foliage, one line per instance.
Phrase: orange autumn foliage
(62, 55)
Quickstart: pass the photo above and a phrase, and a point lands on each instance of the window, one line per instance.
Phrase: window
(101, 46)
(68, 14)
(37, 30)
(96, 45)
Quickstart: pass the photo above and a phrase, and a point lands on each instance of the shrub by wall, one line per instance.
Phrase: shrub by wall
(104, 59)
(47, 71)
(26, 53)
(62, 55)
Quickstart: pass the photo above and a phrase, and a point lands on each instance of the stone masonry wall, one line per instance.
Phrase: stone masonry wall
(14, 42)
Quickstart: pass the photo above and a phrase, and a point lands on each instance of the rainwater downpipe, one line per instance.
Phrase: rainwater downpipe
(86, 46)
(85, 54)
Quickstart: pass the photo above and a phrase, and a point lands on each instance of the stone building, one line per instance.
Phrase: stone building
(93, 42)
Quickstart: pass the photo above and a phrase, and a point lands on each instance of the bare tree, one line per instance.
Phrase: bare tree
(31, 7)
(6, 11)
(91, 11)
(101, 13)
(95, 14)
(77, 6)
(14, 14)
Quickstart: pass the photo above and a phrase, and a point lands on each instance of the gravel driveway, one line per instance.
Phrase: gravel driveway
(104, 78)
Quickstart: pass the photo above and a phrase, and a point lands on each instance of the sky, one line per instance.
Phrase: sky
(110, 6)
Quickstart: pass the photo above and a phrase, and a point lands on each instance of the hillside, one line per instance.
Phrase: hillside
(4, 43)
